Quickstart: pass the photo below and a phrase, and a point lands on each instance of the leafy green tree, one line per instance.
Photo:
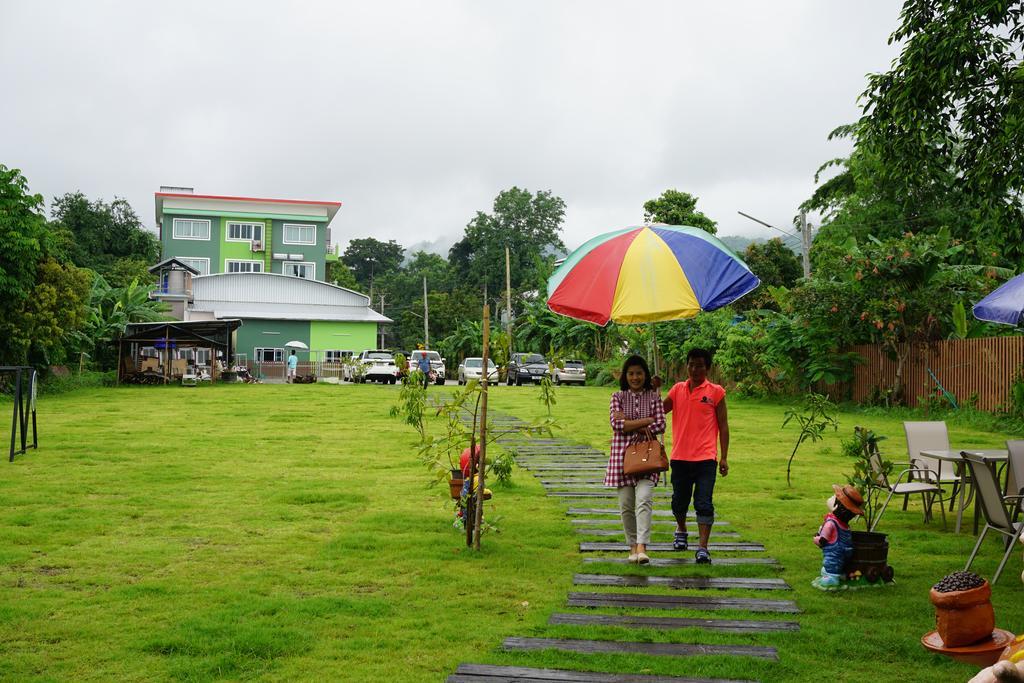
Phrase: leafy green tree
(775, 265)
(126, 270)
(25, 241)
(677, 208)
(340, 274)
(529, 224)
(102, 236)
(53, 312)
(109, 310)
(370, 259)
(949, 112)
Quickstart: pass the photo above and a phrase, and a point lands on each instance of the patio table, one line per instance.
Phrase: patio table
(992, 458)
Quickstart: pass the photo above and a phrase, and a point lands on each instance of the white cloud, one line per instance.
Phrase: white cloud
(415, 115)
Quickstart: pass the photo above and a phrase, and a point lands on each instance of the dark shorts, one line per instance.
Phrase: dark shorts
(696, 481)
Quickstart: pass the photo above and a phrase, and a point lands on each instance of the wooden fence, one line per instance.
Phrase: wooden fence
(969, 369)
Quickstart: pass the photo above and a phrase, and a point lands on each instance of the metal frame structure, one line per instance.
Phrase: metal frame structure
(24, 407)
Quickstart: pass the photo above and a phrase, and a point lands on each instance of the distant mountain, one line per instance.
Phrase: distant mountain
(439, 246)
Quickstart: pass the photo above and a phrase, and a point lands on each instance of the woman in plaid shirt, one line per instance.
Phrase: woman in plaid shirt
(634, 412)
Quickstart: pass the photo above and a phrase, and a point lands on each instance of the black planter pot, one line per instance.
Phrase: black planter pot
(870, 556)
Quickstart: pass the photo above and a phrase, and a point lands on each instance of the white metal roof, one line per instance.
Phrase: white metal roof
(279, 297)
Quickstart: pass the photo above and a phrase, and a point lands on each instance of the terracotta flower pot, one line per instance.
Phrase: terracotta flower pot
(964, 617)
(456, 488)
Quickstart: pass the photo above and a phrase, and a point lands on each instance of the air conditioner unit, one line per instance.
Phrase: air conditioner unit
(257, 245)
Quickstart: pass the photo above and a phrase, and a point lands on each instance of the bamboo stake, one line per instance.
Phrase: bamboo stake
(483, 430)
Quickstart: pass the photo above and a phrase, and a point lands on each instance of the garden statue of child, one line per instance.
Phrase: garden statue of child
(834, 536)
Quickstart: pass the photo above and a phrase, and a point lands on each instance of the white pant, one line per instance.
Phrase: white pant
(636, 504)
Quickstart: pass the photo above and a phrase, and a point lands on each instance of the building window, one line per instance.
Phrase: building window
(303, 269)
(244, 232)
(266, 355)
(191, 229)
(200, 264)
(336, 356)
(299, 234)
(236, 266)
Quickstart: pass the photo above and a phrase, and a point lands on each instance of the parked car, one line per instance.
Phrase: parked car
(377, 365)
(571, 372)
(473, 368)
(526, 367)
(436, 364)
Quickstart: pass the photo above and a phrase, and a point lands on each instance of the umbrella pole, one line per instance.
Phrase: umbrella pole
(654, 347)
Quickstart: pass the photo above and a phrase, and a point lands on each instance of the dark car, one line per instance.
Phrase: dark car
(526, 367)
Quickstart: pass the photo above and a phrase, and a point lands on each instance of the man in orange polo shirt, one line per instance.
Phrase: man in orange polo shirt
(699, 423)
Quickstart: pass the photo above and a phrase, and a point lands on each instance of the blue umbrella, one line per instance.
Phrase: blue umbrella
(1004, 305)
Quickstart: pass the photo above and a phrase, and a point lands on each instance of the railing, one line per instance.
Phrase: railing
(169, 291)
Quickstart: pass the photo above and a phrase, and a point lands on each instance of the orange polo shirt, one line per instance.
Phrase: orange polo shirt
(694, 421)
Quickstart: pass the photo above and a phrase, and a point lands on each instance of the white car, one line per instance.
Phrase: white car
(571, 372)
(473, 368)
(378, 365)
(436, 363)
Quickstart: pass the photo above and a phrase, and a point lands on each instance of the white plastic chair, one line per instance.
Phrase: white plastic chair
(931, 436)
(994, 507)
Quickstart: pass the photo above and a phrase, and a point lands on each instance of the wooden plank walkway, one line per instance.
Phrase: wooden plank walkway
(575, 472)
(629, 647)
(483, 673)
(679, 582)
(672, 623)
(692, 602)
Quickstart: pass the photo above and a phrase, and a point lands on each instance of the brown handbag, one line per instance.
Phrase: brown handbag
(646, 457)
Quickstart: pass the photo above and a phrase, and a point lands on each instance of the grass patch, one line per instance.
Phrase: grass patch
(241, 532)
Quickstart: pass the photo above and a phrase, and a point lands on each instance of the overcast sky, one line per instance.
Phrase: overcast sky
(415, 115)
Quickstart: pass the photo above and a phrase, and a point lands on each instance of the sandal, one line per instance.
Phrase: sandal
(702, 556)
(680, 541)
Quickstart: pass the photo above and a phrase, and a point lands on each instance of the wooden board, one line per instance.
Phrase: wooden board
(600, 546)
(616, 520)
(693, 602)
(484, 673)
(619, 532)
(610, 511)
(671, 623)
(679, 582)
(680, 561)
(629, 647)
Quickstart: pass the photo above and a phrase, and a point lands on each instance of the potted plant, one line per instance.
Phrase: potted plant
(870, 548)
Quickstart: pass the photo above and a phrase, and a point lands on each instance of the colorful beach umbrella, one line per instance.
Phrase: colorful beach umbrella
(648, 273)
(1004, 305)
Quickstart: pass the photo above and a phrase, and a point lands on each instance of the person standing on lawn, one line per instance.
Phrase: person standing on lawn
(699, 423)
(635, 411)
(293, 364)
(423, 365)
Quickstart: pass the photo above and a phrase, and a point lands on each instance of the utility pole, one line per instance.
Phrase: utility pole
(426, 317)
(508, 301)
(805, 240)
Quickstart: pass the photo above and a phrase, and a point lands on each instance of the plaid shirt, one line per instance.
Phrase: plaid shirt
(634, 405)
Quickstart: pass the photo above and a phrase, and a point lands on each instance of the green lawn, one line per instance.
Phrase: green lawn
(239, 532)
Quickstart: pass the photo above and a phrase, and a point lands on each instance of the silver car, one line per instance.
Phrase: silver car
(571, 372)
(473, 368)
